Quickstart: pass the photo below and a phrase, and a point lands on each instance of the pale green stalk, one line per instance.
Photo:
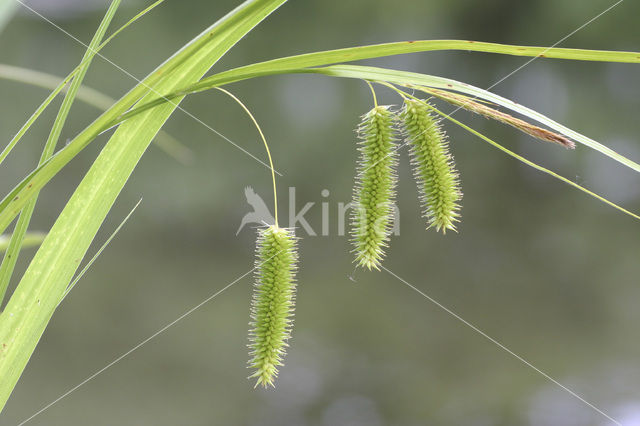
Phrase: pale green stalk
(266, 146)
(31, 239)
(7, 9)
(48, 81)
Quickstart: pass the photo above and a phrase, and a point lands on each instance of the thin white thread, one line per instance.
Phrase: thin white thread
(503, 347)
(139, 345)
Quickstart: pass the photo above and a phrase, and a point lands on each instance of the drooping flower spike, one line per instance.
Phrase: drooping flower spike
(273, 302)
(434, 168)
(374, 191)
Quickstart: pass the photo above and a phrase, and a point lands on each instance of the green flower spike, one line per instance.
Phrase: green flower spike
(374, 191)
(273, 302)
(434, 167)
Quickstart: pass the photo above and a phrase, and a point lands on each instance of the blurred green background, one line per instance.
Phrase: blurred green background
(549, 272)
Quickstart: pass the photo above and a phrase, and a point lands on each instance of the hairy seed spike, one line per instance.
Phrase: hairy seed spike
(372, 214)
(273, 302)
(434, 168)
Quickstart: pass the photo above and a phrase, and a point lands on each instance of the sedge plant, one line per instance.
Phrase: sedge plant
(140, 114)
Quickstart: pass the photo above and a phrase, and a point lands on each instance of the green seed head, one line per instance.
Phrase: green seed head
(273, 302)
(434, 167)
(374, 191)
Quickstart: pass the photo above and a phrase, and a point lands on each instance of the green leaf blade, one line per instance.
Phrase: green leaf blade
(11, 256)
(350, 54)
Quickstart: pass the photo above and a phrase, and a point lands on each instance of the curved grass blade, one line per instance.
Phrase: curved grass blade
(407, 79)
(291, 64)
(32, 304)
(11, 256)
(167, 143)
(358, 53)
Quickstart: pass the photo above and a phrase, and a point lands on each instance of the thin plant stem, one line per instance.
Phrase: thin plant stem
(373, 92)
(266, 145)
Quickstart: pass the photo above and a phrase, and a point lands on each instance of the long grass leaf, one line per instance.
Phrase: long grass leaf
(283, 66)
(328, 57)
(358, 53)
(290, 64)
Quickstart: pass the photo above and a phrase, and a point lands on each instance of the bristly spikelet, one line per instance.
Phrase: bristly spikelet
(372, 213)
(434, 167)
(273, 302)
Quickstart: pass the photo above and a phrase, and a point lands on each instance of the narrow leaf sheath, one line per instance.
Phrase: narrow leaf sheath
(434, 168)
(273, 302)
(374, 192)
